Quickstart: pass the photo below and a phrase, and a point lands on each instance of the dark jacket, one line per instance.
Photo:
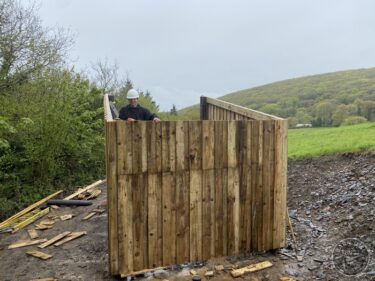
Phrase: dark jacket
(137, 113)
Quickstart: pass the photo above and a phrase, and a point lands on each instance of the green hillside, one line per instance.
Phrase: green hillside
(323, 100)
(304, 143)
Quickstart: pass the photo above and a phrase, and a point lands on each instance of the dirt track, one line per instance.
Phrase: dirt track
(330, 198)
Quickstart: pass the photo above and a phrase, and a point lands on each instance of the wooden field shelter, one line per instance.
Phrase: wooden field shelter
(185, 191)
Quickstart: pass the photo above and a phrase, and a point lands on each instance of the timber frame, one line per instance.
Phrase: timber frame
(184, 191)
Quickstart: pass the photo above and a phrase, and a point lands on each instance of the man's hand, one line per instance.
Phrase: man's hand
(156, 120)
(130, 120)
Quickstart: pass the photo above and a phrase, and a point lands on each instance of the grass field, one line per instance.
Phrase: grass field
(312, 142)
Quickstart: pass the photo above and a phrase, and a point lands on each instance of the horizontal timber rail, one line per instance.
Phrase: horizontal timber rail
(214, 109)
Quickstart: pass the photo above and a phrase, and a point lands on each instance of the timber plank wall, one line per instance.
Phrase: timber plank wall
(186, 191)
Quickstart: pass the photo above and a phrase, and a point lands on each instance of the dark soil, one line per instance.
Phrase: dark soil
(329, 199)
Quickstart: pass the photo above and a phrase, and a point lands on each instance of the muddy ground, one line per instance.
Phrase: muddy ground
(330, 199)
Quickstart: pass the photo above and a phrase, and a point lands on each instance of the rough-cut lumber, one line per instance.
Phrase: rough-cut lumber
(251, 268)
(12, 219)
(26, 243)
(29, 220)
(71, 236)
(95, 184)
(54, 239)
(90, 215)
(40, 255)
(32, 233)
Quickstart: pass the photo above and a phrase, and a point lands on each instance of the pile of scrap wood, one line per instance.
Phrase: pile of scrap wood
(35, 212)
(38, 209)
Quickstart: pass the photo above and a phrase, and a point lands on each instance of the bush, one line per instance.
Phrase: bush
(353, 120)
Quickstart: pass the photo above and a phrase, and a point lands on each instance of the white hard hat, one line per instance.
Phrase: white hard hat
(132, 94)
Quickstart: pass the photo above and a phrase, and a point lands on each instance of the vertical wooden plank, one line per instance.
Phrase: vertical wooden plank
(182, 146)
(208, 144)
(140, 240)
(259, 187)
(125, 224)
(144, 145)
(267, 183)
(243, 173)
(195, 145)
(207, 211)
(271, 184)
(165, 144)
(136, 147)
(233, 208)
(249, 193)
(124, 148)
(256, 184)
(219, 213)
(225, 210)
(154, 221)
(280, 184)
(232, 144)
(111, 161)
(195, 215)
(182, 217)
(169, 218)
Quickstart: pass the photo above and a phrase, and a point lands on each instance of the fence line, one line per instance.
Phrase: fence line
(190, 190)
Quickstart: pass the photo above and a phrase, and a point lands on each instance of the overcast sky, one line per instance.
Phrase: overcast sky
(180, 50)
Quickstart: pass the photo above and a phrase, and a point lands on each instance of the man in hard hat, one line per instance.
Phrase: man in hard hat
(133, 111)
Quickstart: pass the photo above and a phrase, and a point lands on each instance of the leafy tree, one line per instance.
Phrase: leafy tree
(26, 47)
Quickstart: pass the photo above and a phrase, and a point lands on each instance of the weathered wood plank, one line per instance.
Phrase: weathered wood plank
(125, 221)
(195, 215)
(182, 217)
(266, 180)
(165, 144)
(195, 145)
(124, 148)
(233, 209)
(249, 193)
(207, 209)
(139, 221)
(208, 144)
(182, 145)
(232, 144)
(219, 213)
(280, 186)
(169, 218)
(154, 220)
(112, 195)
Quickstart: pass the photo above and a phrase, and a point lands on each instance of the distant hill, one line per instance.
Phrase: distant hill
(324, 100)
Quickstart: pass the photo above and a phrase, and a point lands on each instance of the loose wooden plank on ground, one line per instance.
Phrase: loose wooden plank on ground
(251, 268)
(70, 237)
(54, 239)
(26, 243)
(30, 220)
(38, 254)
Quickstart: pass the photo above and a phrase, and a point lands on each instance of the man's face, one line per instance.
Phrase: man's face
(133, 102)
